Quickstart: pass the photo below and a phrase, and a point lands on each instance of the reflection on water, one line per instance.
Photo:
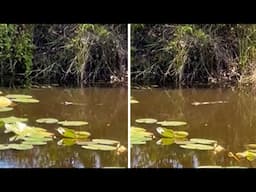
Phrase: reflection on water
(104, 108)
(232, 124)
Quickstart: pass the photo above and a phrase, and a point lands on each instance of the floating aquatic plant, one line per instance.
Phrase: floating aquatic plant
(146, 120)
(73, 123)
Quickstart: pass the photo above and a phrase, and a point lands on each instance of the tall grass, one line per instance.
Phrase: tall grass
(192, 54)
(66, 54)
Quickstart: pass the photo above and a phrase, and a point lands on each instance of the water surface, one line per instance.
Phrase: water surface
(104, 108)
(232, 124)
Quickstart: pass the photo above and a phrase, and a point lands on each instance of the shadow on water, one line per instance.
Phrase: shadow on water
(104, 108)
(232, 124)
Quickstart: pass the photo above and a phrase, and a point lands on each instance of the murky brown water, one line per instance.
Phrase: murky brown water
(104, 108)
(232, 124)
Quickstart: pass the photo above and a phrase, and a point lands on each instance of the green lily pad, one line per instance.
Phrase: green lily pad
(165, 141)
(4, 147)
(236, 167)
(171, 123)
(13, 119)
(21, 100)
(180, 134)
(34, 143)
(70, 133)
(99, 147)
(197, 147)
(146, 121)
(106, 141)
(4, 101)
(133, 101)
(22, 130)
(203, 141)
(20, 146)
(251, 146)
(1, 124)
(67, 142)
(210, 166)
(133, 128)
(5, 109)
(47, 120)
(185, 142)
(73, 123)
(83, 142)
(17, 96)
(165, 132)
(139, 136)
(39, 139)
(250, 156)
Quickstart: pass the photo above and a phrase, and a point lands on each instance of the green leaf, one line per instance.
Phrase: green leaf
(197, 147)
(203, 141)
(17, 96)
(5, 109)
(171, 123)
(34, 143)
(133, 128)
(25, 100)
(13, 119)
(251, 146)
(67, 142)
(165, 141)
(210, 166)
(47, 120)
(180, 134)
(4, 102)
(99, 147)
(73, 123)
(70, 133)
(106, 141)
(165, 132)
(146, 121)
(4, 147)
(20, 146)
(133, 101)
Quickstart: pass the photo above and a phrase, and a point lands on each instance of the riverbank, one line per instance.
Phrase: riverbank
(63, 54)
(192, 55)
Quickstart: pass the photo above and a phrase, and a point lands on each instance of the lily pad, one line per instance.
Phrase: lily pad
(165, 141)
(106, 141)
(137, 129)
(17, 96)
(22, 130)
(203, 141)
(20, 146)
(39, 139)
(4, 101)
(210, 166)
(70, 133)
(5, 109)
(197, 147)
(99, 147)
(146, 121)
(21, 100)
(184, 142)
(139, 136)
(165, 132)
(83, 142)
(171, 123)
(67, 142)
(180, 134)
(73, 123)
(251, 146)
(13, 119)
(47, 120)
(4, 147)
(133, 101)
(34, 143)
